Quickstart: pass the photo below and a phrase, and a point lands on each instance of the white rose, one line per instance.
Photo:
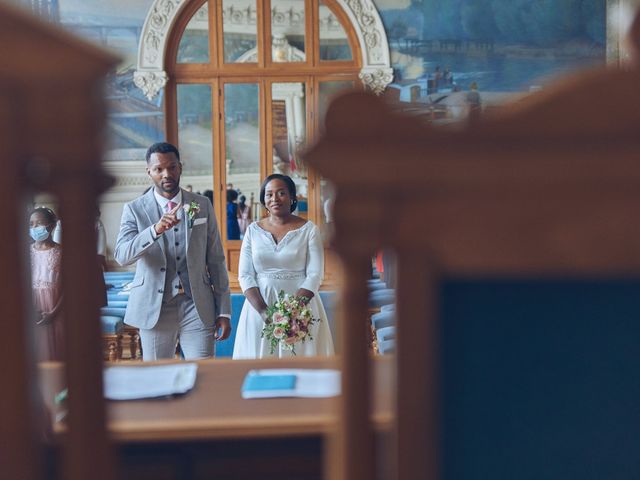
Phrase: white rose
(278, 332)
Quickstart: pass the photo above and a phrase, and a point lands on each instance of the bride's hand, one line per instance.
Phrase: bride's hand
(305, 294)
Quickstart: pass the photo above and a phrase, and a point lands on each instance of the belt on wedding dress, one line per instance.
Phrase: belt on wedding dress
(282, 275)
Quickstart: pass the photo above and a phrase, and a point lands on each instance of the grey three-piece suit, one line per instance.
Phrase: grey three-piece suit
(185, 258)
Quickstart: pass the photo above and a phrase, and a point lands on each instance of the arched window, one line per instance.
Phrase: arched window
(248, 82)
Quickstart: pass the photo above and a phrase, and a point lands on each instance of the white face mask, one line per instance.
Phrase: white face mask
(39, 234)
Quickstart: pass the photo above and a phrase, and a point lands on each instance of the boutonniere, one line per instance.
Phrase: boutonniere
(191, 210)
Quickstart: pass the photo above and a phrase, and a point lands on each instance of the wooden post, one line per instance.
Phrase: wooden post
(355, 448)
(417, 337)
(19, 455)
(91, 455)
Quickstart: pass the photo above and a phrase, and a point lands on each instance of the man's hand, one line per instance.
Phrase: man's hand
(222, 328)
(168, 220)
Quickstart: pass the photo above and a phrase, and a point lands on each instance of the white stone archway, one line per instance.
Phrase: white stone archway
(151, 76)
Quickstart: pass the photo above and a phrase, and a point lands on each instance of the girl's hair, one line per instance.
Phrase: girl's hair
(242, 203)
(47, 213)
(290, 186)
(232, 195)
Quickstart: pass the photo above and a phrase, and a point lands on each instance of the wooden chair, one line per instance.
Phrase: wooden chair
(51, 119)
(544, 199)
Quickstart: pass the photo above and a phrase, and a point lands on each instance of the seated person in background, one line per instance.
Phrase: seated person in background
(46, 282)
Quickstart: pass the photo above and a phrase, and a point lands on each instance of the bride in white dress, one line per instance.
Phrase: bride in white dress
(280, 252)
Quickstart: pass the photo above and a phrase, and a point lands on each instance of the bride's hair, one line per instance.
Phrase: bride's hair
(290, 186)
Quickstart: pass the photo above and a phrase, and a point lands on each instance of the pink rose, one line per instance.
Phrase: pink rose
(291, 340)
(279, 319)
(278, 332)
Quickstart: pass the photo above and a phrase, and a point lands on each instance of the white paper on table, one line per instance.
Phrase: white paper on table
(131, 383)
(310, 383)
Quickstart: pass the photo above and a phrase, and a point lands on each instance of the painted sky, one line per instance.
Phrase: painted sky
(122, 8)
(386, 4)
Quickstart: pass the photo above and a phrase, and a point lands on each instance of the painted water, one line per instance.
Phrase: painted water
(494, 73)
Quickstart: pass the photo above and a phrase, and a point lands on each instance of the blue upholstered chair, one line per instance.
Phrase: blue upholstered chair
(224, 349)
(377, 286)
(386, 347)
(115, 295)
(119, 274)
(388, 308)
(386, 333)
(383, 319)
(377, 298)
(117, 303)
(111, 324)
(113, 311)
(386, 337)
(112, 327)
(117, 300)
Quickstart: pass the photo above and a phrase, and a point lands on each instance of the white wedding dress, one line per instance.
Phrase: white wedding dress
(297, 261)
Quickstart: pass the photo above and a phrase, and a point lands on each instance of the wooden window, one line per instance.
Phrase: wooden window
(250, 82)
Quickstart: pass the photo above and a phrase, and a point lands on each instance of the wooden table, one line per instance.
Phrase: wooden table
(213, 429)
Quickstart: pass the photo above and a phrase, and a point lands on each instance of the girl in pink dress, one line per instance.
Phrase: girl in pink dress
(46, 259)
(244, 215)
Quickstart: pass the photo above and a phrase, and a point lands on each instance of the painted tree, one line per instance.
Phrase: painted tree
(594, 20)
(541, 23)
(549, 22)
(509, 17)
(478, 20)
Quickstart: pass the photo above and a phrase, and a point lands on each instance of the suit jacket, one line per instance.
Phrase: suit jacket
(205, 261)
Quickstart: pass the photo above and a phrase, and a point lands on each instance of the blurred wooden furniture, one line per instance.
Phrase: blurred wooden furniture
(51, 120)
(549, 190)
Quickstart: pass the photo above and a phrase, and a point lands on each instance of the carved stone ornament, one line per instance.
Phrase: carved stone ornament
(376, 79)
(150, 75)
(150, 82)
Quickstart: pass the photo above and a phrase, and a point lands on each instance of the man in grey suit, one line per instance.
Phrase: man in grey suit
(181, 287)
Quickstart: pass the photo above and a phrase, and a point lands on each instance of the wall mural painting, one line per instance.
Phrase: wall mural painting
(134, 121)
(450, 57)
(453, 58)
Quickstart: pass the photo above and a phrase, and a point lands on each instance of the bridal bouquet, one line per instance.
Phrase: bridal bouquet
(288, 322)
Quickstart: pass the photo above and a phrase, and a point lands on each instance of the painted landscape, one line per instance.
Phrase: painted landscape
(440, 48)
